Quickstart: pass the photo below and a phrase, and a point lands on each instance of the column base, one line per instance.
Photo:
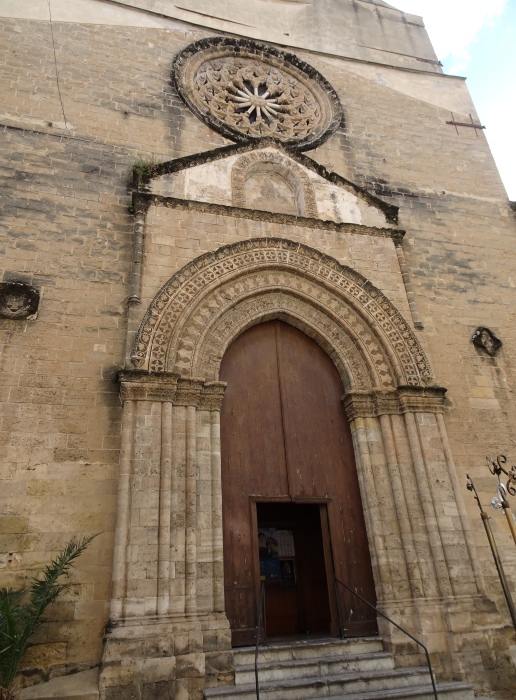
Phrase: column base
(166, 657)
(467, 638)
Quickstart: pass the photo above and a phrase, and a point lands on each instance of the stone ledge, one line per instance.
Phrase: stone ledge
(83, 685)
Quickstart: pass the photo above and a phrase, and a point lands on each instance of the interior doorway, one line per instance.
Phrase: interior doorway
(293, 569)
(287, 454)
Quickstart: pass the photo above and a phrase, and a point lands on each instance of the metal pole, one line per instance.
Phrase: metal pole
(494, 550)
(499, 566)
(509, 516)
(339, 610)
(496, 466)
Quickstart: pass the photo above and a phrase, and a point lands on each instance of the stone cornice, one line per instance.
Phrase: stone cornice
(146, 199)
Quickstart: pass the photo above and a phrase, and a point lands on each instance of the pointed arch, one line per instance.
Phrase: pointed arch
(213, 299)
(273, 162)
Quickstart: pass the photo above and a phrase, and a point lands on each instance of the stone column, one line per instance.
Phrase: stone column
(167, 612)
(421, 548)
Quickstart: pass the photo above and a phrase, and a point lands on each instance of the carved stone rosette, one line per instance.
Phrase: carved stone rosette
(246, 90)
(18, 301)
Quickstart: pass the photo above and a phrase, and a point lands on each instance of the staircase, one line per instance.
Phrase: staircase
(350, 669)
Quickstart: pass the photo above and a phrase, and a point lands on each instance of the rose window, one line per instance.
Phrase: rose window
(256, 92)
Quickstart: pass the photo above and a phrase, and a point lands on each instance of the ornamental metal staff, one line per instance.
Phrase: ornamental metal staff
(495, 467)
(494, 550)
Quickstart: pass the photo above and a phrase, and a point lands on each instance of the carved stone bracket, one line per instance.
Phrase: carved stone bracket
(485, 339)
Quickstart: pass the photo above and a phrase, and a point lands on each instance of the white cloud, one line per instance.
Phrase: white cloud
(498, 116)
(453, 25)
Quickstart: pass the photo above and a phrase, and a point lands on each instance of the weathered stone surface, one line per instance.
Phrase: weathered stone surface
(72, 460)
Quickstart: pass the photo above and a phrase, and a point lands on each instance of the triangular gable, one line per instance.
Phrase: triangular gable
(269, 177)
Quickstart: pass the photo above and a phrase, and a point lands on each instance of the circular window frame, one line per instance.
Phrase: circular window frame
(189, 61)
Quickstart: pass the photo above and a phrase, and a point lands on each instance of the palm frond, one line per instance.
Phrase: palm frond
(21, 610)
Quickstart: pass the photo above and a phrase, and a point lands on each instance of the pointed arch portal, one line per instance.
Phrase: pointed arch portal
(168, 570)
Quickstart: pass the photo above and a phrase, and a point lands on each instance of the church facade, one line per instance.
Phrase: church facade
(257, 309)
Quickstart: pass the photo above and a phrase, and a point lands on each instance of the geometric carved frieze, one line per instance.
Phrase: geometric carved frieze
(310, 316)
(136, 385)
(247, 90)
(174, 336)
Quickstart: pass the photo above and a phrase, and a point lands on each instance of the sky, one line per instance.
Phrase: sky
(477, 39)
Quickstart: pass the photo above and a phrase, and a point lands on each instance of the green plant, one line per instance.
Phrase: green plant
(143, 169)
(21, 612)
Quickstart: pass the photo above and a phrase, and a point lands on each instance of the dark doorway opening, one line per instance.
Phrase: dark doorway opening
(293, 569)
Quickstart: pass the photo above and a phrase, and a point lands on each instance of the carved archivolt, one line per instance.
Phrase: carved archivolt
(247, 90)
(297, 178)
(203, 307)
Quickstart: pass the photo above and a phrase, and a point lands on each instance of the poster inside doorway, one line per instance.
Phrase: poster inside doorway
(277, 552)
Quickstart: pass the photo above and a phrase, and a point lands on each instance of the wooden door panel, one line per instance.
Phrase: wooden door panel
(284, 435)
(253, 463)
(320, 457)
(252, 443)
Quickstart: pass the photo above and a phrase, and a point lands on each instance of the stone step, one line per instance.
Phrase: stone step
(308, 649)
(324, 686)
(77, 686)
(445, 691)
(313, 667)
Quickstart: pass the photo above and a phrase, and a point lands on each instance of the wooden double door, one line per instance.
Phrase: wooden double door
(292, 514)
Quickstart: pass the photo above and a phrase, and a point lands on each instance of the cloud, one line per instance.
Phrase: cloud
(498, 115)
(453, 25)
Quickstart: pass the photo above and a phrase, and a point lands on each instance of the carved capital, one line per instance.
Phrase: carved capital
(397, 237)
(404, 399)
(189, 392)
(140, 204)
(358, 405)
(212, 395)
(422, 399)
(136, 385)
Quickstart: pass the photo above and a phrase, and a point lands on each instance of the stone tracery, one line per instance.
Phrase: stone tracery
(257, 99)
(247, 90)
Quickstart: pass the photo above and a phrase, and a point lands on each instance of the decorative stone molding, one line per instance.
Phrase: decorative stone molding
(257, 215)
(247, 90)
(330, 331)
(178, 164)
(297, 178)
(147, 386)
(404, 399)
(136, 385)
(178, 326)
(18, 301)
(212, 395)
(418, 399)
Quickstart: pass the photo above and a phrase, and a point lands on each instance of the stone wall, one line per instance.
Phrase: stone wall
(67, 229)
